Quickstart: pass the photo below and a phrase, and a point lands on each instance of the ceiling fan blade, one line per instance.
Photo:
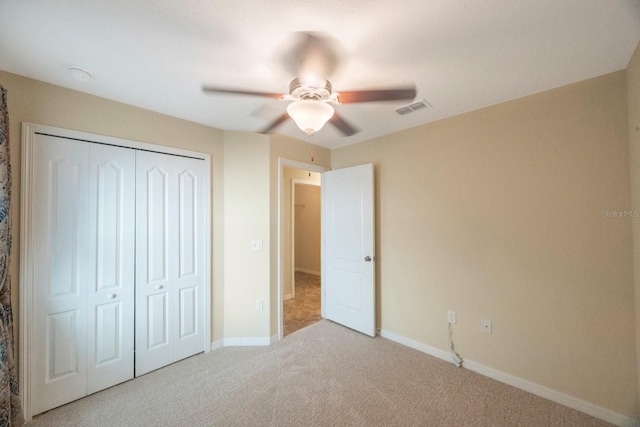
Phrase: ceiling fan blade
(277, 122)
(213, 89)
(342, 125)
(350, 97)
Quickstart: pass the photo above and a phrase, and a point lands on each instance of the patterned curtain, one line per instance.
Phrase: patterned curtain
(10, 410)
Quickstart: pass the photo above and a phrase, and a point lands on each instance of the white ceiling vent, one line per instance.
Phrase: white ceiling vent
(415, 106)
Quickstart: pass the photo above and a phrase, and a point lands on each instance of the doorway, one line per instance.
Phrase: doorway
(302, 303)
(300, 245)
(347, 244)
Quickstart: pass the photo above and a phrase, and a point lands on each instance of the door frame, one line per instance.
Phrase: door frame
(282, 163)
(26, 292)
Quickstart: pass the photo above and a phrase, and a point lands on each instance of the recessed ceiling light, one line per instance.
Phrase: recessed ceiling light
(80, 74)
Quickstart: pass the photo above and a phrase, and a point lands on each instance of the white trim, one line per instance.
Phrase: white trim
(288, 297)
(431, 351)
(208, 249)
(310, 167)
(528, 386)
(216, 345)
(243, 342)
(26, 273)
(282, 162)
(120, 142)
(246, 341)
(292, 236)
(26, 239)
(553, 395)
(306, 270)
(323, 267)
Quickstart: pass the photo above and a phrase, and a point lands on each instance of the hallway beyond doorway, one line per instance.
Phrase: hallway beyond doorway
(304, 309)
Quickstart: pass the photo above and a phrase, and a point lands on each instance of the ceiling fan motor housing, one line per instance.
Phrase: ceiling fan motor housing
(318, 92)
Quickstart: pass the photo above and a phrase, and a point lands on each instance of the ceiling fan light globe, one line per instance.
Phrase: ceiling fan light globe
(310, 115)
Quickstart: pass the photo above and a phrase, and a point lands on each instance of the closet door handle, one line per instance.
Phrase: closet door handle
(158, 287)
(112, 296)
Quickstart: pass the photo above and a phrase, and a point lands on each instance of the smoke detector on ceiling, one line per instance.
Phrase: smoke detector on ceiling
(413, 107)
(80, 74)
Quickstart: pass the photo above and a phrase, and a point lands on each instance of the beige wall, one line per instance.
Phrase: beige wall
(288, 176)
(251, 213)
(498, 214)
(633, 106)
(307, 228)
(246, 212)
(42, 103)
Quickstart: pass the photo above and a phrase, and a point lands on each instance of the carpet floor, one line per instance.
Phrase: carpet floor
(323, 375)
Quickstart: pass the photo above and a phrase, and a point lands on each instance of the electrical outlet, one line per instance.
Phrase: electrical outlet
(451, 317)
(259, 305)
(256, 245)
(485, 326)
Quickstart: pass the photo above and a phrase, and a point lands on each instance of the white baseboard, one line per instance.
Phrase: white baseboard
(288, 297)
(306, 270)
(217, 345)
(528, 386)
(246, 341)
(553, 395)
(431, 351)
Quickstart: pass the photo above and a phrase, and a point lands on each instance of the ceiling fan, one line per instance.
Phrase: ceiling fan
(313, 59)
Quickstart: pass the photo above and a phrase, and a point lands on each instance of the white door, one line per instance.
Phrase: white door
(348, 254)
(111, 246)
(60, 208)
(83, 269)
(169, 259)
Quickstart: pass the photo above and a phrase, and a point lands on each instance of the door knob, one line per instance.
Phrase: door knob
(112, 296)
(367, 258)
(159, 287)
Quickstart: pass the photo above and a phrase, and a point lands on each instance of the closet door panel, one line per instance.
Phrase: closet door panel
(111, 259)
(190, 278)
(188, 216)
(60, 204)
(188, 312)
(154, 291)
(157, 224)
(157, 321)
(169, 258)
(108, 334)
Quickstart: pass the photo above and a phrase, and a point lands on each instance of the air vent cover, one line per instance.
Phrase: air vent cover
(415, 106)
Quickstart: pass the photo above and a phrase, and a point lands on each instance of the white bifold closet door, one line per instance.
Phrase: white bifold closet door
(119, 256)
(169, 259)
(83, 228)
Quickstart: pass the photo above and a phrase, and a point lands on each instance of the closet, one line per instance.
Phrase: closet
(115, 261)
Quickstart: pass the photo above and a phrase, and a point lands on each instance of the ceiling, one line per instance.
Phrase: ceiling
(461, 54)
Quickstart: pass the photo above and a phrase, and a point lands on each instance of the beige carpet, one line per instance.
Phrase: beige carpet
(323, 375)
